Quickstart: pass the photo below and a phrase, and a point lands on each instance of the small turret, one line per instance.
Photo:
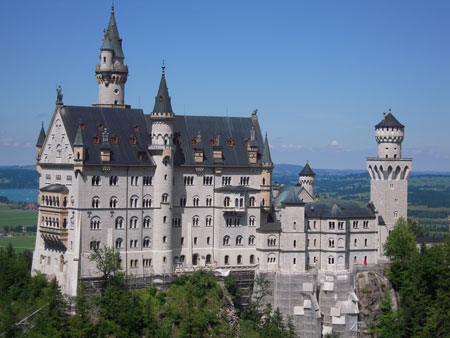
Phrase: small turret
(389, 134)
(111, 73)
(79, 149)
(40, 142)
(266, 177)
(306, 179)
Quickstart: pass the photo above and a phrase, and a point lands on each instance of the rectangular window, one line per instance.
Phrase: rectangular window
(355, 225)
(331, 225)
(226, 180)
(340, 225)
(147, 180)
(48, 178)
(188, 180)
(134, 180)
(366, 224)
(58, 177)
(69, 179)
(207, 180)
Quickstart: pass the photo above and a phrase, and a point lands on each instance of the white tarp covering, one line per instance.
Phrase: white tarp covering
(299, 311)
(223, 272)
(335, 311)
(326, 330)
(328, 286)
(338, 320)
(307, 304)
(307, 287)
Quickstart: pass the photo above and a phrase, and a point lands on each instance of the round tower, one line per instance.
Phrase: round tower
(389, 134)
(162, 150)
(306, 179)
(111, 73)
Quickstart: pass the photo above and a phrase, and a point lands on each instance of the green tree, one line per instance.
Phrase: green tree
(401, 242)
(108, 261)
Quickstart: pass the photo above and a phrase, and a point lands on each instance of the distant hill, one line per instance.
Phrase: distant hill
(18, 178)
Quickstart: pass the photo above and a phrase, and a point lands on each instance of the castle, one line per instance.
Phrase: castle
(175, 193)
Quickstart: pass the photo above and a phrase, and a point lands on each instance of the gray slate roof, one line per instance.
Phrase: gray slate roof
(269, 223)
(78, 142)
(389, 121)
(337, 210)
(112, 40)
(121, 122)
(289, 195)
(59, 188)
(307, 171)
(186, 128)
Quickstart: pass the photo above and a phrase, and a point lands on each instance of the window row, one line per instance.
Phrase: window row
(114, 180)
(134, 201)
(146, 243)
(239, 241)
(52, 201)
(53, 222)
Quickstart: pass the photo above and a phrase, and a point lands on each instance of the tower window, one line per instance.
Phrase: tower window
(104, 59)
(97, 139)
(230, 142)
(115, 102)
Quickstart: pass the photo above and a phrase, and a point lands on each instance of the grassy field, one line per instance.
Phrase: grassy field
(20, 241)
(12, 216)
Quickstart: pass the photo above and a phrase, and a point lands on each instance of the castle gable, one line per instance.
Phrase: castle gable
(56, 147)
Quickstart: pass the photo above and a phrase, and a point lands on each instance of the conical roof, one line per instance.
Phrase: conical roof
(78, 142)
(41, 138)
(162, 100)
(266, 158)
(307, 171)
(389, 121)
(112, 40)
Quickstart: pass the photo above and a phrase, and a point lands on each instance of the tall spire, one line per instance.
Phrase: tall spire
(78, 142)
(112, 40)
(266, 158)
(162, 100)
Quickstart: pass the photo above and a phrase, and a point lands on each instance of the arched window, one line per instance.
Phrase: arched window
(208, 259)
(294, 260)
(208, 201)
(331, 243)
(96, 202)
(133, 223)
(182, 259)
(147, 201)
(119, 223)
(226, 202)
(252, 201)
(165, 197)
(271, 259)
(95, 223)
(251, 240)
(227, 260)
(196, 201)
(94, 245)
(208, 221)
(134, 201)
(226, 240)
(355, 242)
(147, 222)
(239, 240)
(271, 241)
(330, 260)
(252, 221)
(239, 259)
(147, 242)
(195, 221)
(119, 243)
(252, 259)
(113, 202)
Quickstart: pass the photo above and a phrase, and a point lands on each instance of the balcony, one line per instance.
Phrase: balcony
(234, 210)
(54, 236)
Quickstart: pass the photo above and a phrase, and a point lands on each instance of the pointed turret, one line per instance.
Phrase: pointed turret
(266, 158)
(79, 149)
(40, 142)
(162, 100)
(112, 40)
(78, 142)
(111, 73)
(41, 138)
(306, 179)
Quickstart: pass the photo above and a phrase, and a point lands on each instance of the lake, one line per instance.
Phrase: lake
(20, 195)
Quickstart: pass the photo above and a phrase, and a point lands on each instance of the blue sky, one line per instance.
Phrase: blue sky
(320, 72)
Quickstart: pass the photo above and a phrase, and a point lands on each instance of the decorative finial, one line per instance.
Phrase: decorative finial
(389, 110)
(163, 67)
(384, 115)
(255, 112)
(59, 95)
(112, 8)
(42, 124)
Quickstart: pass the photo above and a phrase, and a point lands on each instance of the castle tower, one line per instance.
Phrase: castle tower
(162, 150)
(111, 73)
(389, 174)
(266, 177)
(306, 179)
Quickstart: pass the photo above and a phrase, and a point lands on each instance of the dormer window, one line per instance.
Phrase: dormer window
(133, 140)
(97, 139)
(115, 140)
(101, 127)
(136, 128)
(83, 126)
(213, 142)
(230, 142)
(178, 140)
(194, 141)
